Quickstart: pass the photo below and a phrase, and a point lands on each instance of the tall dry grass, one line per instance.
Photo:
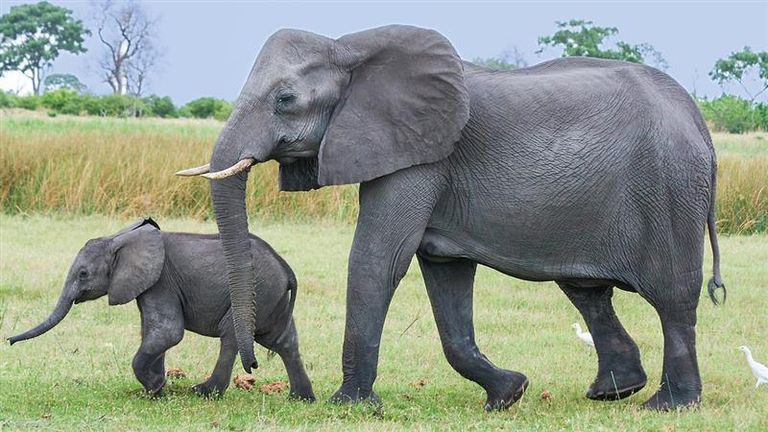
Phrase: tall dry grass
(742, 195)
(124, 167)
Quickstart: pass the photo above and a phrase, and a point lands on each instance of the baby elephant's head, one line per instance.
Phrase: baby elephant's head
(121, 266)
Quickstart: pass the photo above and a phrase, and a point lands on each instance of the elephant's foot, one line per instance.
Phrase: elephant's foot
(208, 389)
(154, 393)
(154, 387)
(356, 395)
(506, 390)
(616, 384)
(304, 395)
(665, 400)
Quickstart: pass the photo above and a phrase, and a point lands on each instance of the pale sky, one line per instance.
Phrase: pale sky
(209, 46)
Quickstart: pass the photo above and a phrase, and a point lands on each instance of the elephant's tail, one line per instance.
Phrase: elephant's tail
(716, 281)
(292, 288)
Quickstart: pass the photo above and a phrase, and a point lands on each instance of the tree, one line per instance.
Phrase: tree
(63, 81)
(161, 106)
(508, 60)
(127, 32)
(139, 68)
(495, 63)
(735, 69)
(582, 38)
(33, 35)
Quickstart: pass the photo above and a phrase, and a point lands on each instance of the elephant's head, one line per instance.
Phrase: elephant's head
(331, 112)
(121, 266)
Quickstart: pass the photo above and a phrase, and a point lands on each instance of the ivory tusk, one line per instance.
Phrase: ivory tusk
(203, 169)
(234, 169)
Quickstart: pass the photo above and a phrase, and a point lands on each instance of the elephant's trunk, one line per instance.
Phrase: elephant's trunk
(228, 195)
(232, 220)
(59, 312)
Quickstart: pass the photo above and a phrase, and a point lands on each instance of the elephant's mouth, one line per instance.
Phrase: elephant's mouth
(291, 156)
(84, 296)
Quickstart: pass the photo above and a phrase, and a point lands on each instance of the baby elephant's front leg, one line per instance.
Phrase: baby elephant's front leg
(162, 327)
(218, 382)
(149, 369)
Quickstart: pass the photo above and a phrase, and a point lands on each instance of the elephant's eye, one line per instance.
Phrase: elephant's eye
(286, 98)
(284, 101)
(82, 274)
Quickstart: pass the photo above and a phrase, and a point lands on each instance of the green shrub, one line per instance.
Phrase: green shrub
(207, 107)
(161, 106)
(7, 100)
(223, 112)
(728, 113)
(184, 112)
(63, 101)
(761, 116)
(28, 102)
(115, 106)
(91, 105)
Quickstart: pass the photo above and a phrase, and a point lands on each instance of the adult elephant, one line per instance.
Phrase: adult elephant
(591, 173)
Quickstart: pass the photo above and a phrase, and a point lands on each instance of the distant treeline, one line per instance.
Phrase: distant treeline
(66, 101)
(726, 113)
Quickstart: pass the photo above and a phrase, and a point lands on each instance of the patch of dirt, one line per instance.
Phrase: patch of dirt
(175, 373)
(274, 387)
(244, 382)
(546, 396)
(420, 383)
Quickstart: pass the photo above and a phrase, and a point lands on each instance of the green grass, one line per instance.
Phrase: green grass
(748, 145)
(78, 376)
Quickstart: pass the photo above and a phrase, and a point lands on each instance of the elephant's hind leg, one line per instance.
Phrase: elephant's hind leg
(676, 302)
(449, 285)
(619, 373)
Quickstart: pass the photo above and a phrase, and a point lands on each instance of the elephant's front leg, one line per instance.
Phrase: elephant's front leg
(394, 211)
(218, 382)
(162, 327)
(149, 369)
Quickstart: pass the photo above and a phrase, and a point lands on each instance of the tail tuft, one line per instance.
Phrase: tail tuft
(713, 286)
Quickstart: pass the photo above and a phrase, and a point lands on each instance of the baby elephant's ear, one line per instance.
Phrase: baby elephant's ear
(137, 262)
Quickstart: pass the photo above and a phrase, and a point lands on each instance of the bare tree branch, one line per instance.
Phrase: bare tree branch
(126, 31)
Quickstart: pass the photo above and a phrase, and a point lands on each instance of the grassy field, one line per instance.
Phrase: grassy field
(124, 167)
(78, 376)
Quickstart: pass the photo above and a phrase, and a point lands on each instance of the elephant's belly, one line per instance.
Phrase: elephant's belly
(510, 258)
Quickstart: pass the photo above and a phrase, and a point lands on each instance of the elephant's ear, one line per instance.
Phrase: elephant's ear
(137, 262)
(406, 104)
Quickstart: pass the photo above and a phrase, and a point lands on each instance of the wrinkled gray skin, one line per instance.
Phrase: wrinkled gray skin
(177, 283)
(591, 173)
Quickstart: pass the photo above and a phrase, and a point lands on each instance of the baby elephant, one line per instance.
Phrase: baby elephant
(179, 282)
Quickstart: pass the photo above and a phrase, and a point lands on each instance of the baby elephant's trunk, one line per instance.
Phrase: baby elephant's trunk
(62, 308)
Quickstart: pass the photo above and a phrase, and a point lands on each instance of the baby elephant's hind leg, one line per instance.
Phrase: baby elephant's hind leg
(218, 382)
(287, 347)
(619, 373)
